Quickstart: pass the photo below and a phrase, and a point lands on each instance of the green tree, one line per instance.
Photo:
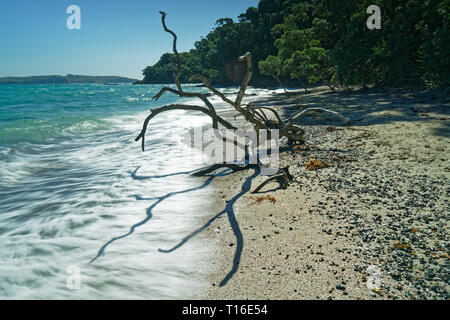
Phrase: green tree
(301, 41)
(325, 41)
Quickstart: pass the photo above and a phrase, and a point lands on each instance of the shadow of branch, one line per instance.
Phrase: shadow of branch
(149, 211)
(234, 226)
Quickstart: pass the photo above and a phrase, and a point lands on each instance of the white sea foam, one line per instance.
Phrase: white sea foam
(61, 201)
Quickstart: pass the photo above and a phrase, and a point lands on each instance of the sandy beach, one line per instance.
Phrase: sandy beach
(371, 225)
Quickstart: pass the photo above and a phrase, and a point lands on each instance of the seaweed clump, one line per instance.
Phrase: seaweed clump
(315, 164)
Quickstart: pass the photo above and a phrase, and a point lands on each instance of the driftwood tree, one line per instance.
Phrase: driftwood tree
(254, 115)
(259, 117)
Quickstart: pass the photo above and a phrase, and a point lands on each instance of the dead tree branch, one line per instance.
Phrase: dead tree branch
(257, 116)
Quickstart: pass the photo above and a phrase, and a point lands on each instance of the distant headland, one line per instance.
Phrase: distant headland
(70, 78)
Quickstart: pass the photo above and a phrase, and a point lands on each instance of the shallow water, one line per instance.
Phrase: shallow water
(72, 179)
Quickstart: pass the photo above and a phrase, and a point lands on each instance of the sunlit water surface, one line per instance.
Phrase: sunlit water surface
(72, 178)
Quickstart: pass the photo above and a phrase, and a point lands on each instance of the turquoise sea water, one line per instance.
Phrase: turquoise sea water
(72, 178)
(78, 196)
(40, 113)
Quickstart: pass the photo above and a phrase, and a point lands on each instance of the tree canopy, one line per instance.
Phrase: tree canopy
(312, 41)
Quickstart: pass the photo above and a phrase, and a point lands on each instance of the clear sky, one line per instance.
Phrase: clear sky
(117, 37)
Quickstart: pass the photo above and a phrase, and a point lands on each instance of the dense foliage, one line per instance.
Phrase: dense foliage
(316, 41)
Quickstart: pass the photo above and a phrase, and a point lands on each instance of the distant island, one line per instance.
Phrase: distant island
(70, 78)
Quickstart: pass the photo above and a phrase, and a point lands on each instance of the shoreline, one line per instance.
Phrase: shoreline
(377, 213)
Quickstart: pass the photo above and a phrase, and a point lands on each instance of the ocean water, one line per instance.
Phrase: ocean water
(79, 200)
(67, 157)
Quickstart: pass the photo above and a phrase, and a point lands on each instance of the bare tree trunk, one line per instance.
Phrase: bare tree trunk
(305, 86)
(330, 85)
(279, 82)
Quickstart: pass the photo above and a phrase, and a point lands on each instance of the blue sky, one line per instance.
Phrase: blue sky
(117, 37)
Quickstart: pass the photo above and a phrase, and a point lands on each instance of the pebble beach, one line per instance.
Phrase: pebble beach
(371, 224)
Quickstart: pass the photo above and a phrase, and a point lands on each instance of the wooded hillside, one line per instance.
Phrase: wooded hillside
(316, 41)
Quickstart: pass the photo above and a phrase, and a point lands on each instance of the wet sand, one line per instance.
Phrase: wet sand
(373, 225)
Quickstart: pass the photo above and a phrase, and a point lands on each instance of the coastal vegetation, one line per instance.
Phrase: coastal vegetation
(303, 42)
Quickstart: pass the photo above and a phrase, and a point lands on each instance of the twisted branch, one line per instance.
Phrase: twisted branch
(210, 87)
(248, 58)
(255, 115)
(155, 112)
(308, 111)
(178, 63)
